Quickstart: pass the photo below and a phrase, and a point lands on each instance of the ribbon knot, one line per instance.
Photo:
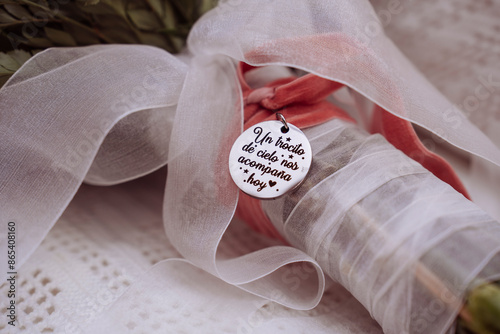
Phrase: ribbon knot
(301, 100)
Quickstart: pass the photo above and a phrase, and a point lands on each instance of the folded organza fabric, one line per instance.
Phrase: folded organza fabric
(108, 114)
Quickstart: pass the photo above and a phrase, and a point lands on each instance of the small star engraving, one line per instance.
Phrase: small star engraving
(245, 171)
(288, 139)
(290, 156)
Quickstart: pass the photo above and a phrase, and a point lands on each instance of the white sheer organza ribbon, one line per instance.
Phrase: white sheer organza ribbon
(107, 114)
(56, 113)
(388, 230)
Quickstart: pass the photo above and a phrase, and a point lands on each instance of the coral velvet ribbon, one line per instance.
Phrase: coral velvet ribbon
(302, 101)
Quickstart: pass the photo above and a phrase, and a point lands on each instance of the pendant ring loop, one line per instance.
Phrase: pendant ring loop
(280, 117)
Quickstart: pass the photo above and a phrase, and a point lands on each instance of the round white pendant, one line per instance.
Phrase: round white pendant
(270, 159)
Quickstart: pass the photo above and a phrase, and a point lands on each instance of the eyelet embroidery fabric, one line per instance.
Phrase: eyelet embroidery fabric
(87, 263)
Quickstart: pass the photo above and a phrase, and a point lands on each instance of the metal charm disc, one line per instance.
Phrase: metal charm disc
(270, 159)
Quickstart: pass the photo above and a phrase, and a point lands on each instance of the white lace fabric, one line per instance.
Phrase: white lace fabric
(106, 242)
(108, 114)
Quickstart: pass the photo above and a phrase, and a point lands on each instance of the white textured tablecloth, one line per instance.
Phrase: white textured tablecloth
(108, 240)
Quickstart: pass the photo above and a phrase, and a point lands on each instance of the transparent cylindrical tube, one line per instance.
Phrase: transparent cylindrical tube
(404, 243)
